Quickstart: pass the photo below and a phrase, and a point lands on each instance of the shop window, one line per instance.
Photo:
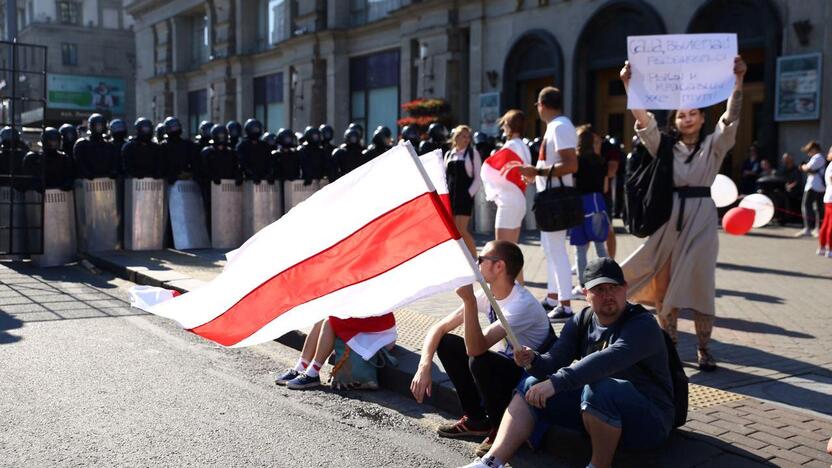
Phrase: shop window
(374, 90)
(268, 101)
(197, 109)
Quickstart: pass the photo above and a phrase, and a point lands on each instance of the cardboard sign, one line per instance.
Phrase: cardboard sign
(680, 71)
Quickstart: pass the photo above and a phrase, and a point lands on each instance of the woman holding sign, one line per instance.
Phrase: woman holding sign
(675, 268)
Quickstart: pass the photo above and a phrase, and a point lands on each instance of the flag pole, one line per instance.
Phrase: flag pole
(512, 338)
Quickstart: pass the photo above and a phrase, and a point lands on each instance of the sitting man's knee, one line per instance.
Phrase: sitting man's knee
(603, 389)
(446, 346)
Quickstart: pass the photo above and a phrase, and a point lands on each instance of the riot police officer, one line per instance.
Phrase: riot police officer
(482, 144)
(379, 144)
(141, 155)
(534, 149)
(327, 134)
(94, 156)
(159, 133)
(69, 135)
(358, 128)
(219, 160)
(349, 155)
(437, 139)
(313, 160)
(11, 157)
(118, 133)
(50, 163)
(180, 156)
(203, 139)
(270, 139)
(285, 158)
(411, 133)
(235, 131)
(254, 154)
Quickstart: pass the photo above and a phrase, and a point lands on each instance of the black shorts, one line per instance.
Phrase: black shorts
(462, 204)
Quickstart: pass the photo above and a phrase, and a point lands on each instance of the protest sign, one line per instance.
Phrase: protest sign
(680, 71)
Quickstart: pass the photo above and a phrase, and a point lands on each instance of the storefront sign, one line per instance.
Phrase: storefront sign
(680, 71)
(489, 113)
(798, 87)
(86, 93)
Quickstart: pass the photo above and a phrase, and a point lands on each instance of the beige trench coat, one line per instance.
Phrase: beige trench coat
(676, 269)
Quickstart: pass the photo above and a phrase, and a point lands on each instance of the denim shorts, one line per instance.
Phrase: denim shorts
(616, 402)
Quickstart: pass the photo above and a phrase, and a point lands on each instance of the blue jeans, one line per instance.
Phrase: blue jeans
(613, 401)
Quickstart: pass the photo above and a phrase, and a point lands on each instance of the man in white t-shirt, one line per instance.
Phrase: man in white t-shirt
(558, 147)
(812, 207)
(484, 379)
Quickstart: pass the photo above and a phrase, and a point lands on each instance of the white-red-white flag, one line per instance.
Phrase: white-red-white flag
(375, 240)
(501, 181)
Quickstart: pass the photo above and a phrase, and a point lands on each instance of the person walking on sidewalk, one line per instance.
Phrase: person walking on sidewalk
(675, 268)
(619, 389)
(825, 234)
(813, 191)
(558, 151)
(484, 379)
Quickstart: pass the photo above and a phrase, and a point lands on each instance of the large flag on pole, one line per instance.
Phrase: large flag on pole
(375, 240)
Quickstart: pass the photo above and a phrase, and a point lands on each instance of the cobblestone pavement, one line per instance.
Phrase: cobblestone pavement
(773, 317)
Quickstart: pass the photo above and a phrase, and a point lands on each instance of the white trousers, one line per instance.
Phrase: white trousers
(558, 268)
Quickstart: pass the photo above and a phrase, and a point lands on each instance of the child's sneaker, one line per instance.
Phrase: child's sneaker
(303, 381)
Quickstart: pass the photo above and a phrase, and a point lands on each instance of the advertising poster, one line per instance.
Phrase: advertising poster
(86, 93)
(798, 87)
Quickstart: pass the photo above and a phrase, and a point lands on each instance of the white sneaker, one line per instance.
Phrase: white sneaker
(803, 233)
(815, 233)
(822, 252)
(578, 293)
(480, 463)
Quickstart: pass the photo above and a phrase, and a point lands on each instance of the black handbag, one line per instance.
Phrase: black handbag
(648, 192)
(558, 208)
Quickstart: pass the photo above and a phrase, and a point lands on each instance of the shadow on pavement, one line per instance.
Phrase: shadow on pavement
(7, 322)
(750, 296)
(757, 327)
(769, 271)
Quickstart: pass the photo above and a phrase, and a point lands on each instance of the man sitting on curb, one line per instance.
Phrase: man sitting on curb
(619, 391)
(484, 379)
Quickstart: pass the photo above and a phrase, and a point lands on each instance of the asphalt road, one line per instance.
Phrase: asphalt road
(85, 380)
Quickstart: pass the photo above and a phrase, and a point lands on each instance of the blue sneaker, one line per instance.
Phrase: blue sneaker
(286, 377)
(303, 381)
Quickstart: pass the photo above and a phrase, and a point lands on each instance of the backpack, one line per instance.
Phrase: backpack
(678, 377)
(648, 192)
(352, 372)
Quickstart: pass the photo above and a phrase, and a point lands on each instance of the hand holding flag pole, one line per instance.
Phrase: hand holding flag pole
(510, 336)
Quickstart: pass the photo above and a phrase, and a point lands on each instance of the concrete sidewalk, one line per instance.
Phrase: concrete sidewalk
(770, 402)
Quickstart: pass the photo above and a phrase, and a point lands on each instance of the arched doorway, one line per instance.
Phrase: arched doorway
(757, 25)
(533, 62)
(601, 51)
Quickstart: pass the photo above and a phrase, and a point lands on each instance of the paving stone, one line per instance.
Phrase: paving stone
(774, 440)
(793, 457)
(755, 444)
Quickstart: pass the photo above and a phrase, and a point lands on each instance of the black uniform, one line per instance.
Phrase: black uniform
(285, 158)
(94, 156)
(69, 135)
(411, 133)
(203, 137)
(313, 160)
(219, 160)
(380, 143)
(50, 163)
(254, 154)
(349, 155)
(437, 139)
(12, 154)
(141, 155)
(180, 156)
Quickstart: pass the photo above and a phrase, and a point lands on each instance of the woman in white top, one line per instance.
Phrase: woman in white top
(511, 203)
(825, 234)
(462, 171)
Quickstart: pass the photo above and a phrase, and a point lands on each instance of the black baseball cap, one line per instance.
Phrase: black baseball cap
(603, 271)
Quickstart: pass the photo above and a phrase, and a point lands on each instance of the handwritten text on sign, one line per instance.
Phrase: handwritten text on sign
(680, 71)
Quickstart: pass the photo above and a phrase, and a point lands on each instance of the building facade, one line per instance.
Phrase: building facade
(297, 62)
(90, 59)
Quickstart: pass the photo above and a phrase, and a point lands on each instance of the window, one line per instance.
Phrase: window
(374, 90)
(69, 54)
(69, 12)
(367, 11)
(271, 27)
(200, 40)
(268, 101)
(197, 109)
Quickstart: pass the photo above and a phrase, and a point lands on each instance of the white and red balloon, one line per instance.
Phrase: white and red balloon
(762, 206)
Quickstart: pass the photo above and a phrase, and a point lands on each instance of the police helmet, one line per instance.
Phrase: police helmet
(50, 139)
(97, 124)
(253, 129)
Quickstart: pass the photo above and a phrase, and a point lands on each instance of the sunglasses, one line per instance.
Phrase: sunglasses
(481, 258)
